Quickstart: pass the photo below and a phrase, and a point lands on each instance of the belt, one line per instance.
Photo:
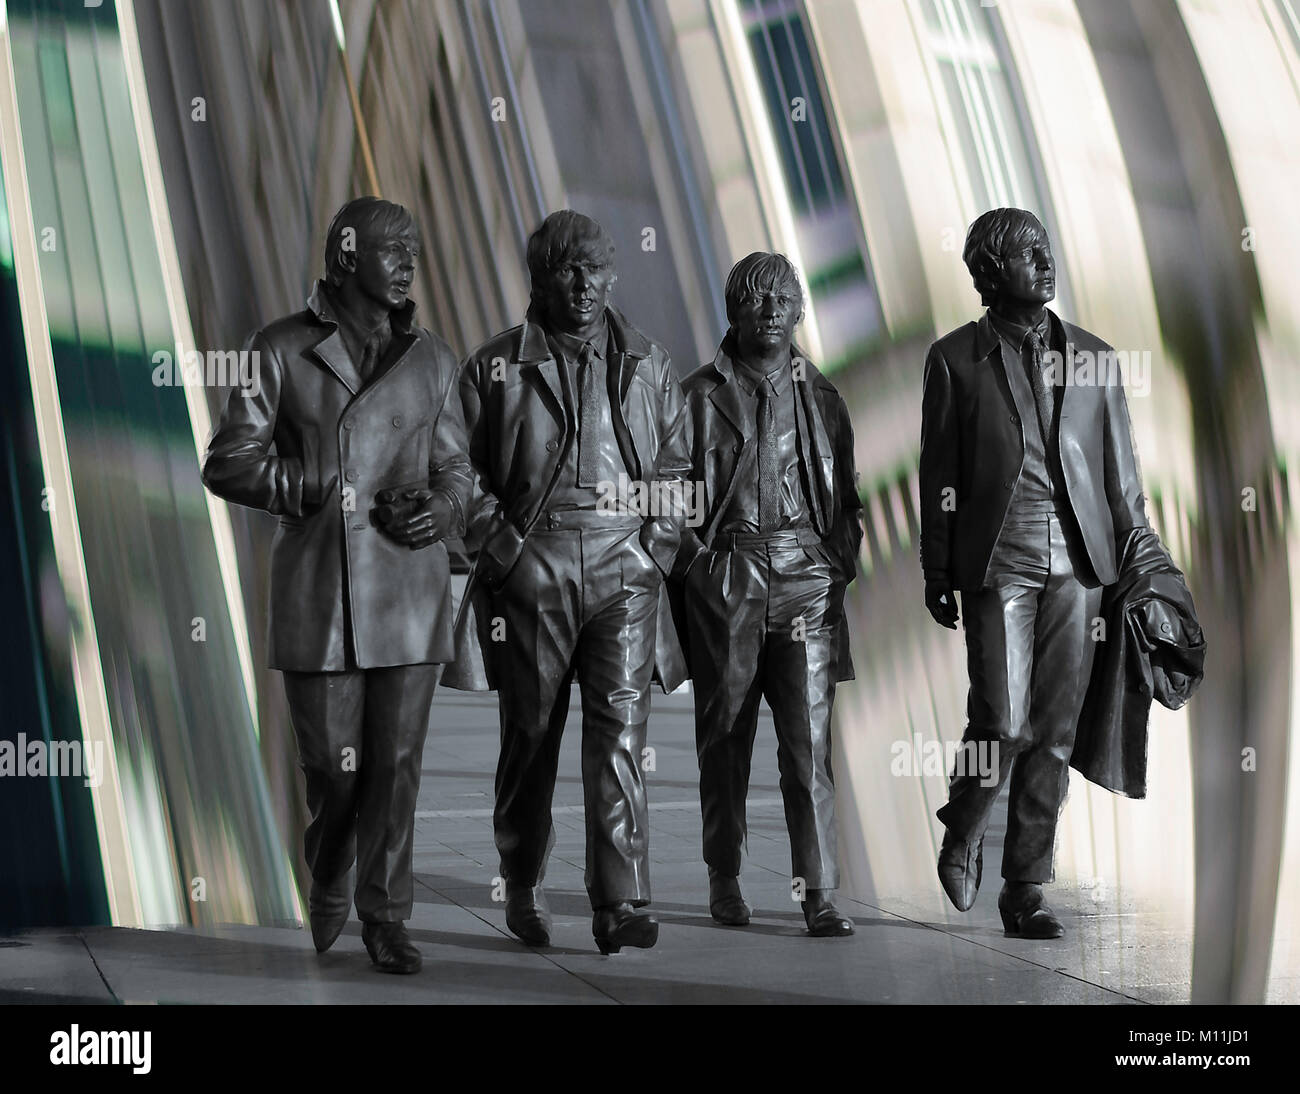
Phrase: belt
(562, 520)
(804, 536)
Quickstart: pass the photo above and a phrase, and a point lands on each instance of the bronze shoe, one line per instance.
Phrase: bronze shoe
(726, 905)
(961, 868)
(327, 909)
(823, 920)
(617, 925)
(527, 914)
(1025, 913)
(391, 948)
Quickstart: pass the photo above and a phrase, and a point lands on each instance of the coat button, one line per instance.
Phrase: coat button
(1015, 418)
(351, 476)
(397, 422)
(1008, 484)
(358, 527)
(551, 446)
(1166, 628)
(347, 423)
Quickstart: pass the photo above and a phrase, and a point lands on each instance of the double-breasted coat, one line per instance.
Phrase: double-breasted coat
(311, 421)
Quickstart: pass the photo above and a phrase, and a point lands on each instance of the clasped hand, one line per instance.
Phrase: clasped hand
(414, 516)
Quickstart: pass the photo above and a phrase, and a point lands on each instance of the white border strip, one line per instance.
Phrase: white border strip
(87, 670)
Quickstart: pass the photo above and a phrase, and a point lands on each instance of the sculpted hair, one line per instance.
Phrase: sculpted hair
(761, 271)
(370, 218)
(990, 239)
(562, 237)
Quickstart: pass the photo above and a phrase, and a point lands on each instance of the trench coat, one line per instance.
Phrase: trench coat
(1154, 651)
(312, 422)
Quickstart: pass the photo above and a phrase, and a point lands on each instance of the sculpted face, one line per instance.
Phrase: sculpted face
(764, 320)
(385, 267)
(576, 293)
(1028, 273)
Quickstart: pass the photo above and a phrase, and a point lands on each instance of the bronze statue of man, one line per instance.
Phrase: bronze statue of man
(559, 411)
(355, 440)
(1026, 483)
(763, 582)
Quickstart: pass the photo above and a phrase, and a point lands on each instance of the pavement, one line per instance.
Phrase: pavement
(907, 948)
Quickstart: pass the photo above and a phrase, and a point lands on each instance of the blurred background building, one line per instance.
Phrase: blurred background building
(169, 170)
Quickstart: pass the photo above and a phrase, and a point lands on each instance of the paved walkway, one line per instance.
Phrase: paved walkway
(908, 951)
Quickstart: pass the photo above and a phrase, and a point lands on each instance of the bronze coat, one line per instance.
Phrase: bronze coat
(720, 428)
(518, 435)
(972, 441)
(312, 421)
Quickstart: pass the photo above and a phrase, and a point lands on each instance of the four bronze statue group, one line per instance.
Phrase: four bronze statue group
(374, 446)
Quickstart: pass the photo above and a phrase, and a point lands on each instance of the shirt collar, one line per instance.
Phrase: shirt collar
(570, 346)
(749, 378)
(1015, 333)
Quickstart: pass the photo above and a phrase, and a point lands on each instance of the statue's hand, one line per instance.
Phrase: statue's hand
(941, 602)
(424, 517)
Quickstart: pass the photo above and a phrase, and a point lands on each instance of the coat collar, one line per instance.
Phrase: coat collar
(630, 348)
(727, 392)
(532, 347)
(334, 354)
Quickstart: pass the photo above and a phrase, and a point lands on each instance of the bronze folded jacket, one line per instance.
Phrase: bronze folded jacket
(1154, 650)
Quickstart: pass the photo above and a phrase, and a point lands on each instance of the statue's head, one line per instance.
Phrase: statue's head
(764, 304)
(1010, 257)
(571, 267)
(373, 244)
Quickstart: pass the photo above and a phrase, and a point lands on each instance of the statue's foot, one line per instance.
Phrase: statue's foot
(961, 868)
(823, 920)
(527, 914)
(726, 905)
(617, 925)
(1025, 913)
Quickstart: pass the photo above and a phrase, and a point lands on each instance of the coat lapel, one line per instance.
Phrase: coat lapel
(534, 355)
(402, 344)
(818, 455)
(333, 354)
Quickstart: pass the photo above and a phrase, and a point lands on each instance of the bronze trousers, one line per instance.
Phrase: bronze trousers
(762, 620)
(360, 743)
(580, 602)
(1029, 653)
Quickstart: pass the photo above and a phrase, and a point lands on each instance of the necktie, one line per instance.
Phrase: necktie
(769, 504)
(1033, 360)
(588, 419)
(369, 357)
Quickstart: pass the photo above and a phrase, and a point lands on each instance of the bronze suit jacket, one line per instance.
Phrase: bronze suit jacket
(311, 421)
(720, 428)
(972, 449)
(519, 433)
